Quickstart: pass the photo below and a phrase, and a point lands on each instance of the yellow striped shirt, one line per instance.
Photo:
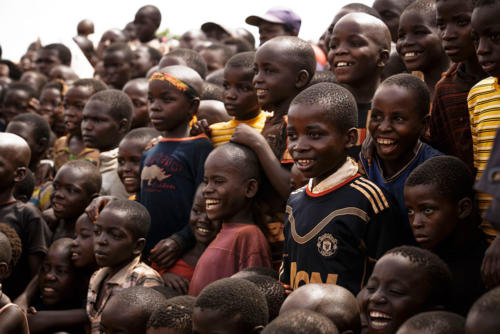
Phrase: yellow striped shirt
(484, 111)
(223, 131)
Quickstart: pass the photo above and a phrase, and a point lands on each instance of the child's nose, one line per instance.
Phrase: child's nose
(378, 297)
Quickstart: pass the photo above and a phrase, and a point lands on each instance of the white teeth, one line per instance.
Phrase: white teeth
(48, 290)
(343, 64)
(260, 91)
(211, 202)
(385, 141)
(410, 54)
(304, 162)
(380, 315)
(129, 179)
(203, 230)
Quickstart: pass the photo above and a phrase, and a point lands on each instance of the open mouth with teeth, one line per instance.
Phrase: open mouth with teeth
(411, 55)
(379, 320)
(385, 145)
(303, 164)
(211, 203)
(342, 64)
(261, 92)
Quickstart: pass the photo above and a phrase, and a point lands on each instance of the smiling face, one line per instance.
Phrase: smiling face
(74, 101)
(486, 36)
(204, 229)
(57, 276)
(353, 54)
(275, 76)
(419, 44)
(82, 249)
(395, 123)
(99, 128)
(129, 163)
(69, 197)
(454, 25)
(169, 108)
(317, 147)
(433, 217)
(114, 244)
(396, 290)
(240, 99)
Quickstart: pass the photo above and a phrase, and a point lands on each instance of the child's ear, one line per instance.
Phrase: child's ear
(19, 174)
(464, 208)
(195, 103)
(351, 137)
(383, 57)
(302, 79)
(4, 269)
(252, 187)
(257, 329)
(139, 246)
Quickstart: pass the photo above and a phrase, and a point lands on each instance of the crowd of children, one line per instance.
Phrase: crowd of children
(199, 184)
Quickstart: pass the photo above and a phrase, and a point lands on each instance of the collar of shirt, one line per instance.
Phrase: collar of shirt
(346, 171)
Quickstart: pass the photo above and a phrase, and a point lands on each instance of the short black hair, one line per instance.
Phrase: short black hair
(14, 71)
(172, 315)
(426, 8)
(63, 53)
(265, 271)
(40, 126)
(216, 77)
(25, 187)
(120, 105)
(192, 59)
(362, 8)
(94, 85)
(212, 91)
(24, 87)
(138, 297)
(301, 322)
(451, 176)
(241, 157)
(436, 322)
(234, 297)
(299, 52)
(488, 305)
(15, 244)
(436, 271)
(338, 103)
(55, 84)
(480, 3)
(142, 136)
(272, 290)
(92, 176)
(415, 86)
(227, 52)
(323, 76)
(244, 61)
(166, 291)
(123, 47)
(154, 12)
(184, 300)
(137, 216)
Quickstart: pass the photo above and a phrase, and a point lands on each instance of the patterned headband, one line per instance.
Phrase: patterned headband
(177, 83)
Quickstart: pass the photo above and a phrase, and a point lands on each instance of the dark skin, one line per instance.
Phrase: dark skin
(37, 147)
(73, 104)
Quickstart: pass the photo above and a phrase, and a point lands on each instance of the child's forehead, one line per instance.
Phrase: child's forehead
(412, 18)
(363, 25)
(136, 145)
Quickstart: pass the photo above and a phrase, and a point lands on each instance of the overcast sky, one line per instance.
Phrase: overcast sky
(23, 21)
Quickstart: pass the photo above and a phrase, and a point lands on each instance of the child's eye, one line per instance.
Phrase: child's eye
(495, 36)
(463, 22)
(97, 232)
(399, 119)
(410, 212)
(315, 135)
(291, 135)
(428, 211)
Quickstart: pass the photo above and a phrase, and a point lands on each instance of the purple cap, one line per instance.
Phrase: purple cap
(279, 15)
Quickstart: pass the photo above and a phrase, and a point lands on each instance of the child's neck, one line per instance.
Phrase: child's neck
(433, 75)
(248, 116)
(473, 68)
(244, 215)
(281, 109)
(391, 167)
(181, 131)
(364, 92)
(113, 270)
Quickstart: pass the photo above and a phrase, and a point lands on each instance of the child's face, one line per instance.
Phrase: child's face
(214, 59)
(353, 54)
(390, 11)
(82, 250)
(395, 124)
(485, 29)
(395, 291)
(225, 188)
(268, 30)
(50, 102)
(99, 128)
(240, 99)
(57, 277)
(45, 60)
(141, 62)
(145, 27)
(317, 147)
(74, 102)
(129, 162)
(8, 169)
(15, 103)
(433, 217)
(116, 69)
(204, 229)
(69, 197)
(114, 244)
(419, 44)
(454, 25)
(139, 96)
(169, 108)
(275, 78)
(212, 321)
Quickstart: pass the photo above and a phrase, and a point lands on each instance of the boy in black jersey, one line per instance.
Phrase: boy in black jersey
(339, 223)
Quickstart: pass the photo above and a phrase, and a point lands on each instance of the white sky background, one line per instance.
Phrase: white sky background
(23, 21)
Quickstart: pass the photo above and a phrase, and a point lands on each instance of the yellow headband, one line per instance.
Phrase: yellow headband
(177, 83)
